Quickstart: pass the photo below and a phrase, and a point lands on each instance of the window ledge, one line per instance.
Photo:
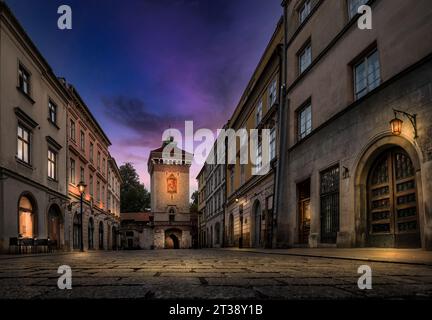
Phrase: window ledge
(53, 124)
(52, 180)
(23, 163)
(26, 95)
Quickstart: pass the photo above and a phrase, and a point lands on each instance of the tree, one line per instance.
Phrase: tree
(194, 203)
(134, 195)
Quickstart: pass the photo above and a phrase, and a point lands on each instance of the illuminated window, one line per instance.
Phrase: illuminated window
(52, 164)
(26, 218)
(23, 144)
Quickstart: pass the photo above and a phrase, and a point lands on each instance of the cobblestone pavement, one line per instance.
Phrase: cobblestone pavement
(207, 274)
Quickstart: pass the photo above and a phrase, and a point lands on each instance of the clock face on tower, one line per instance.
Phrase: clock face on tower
(172, 184)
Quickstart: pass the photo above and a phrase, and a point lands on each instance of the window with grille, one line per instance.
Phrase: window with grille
(329, 192)
(304, 121)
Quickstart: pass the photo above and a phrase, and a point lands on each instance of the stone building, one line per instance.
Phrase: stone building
(215, 201)
(201, 179)
(136, 230)
(168, 167)
(33, 150)
(250, 187)
(88, 162)
(113, 197)
(349, 178)
(50, 142)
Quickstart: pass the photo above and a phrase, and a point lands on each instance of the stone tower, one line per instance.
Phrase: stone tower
(168, 167)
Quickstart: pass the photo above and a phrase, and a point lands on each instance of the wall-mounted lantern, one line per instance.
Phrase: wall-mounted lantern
(396, 123)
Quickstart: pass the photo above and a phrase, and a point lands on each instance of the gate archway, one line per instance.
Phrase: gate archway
(173, 239)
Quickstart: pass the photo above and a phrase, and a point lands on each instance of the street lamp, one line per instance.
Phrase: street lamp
(81, 188)
(396, 123)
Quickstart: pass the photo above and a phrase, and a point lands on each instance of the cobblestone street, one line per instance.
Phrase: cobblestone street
(207, 274)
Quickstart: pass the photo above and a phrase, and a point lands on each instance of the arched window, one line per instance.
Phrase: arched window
(101, 235)
(91, 233)
(76, 232)
(26, 218)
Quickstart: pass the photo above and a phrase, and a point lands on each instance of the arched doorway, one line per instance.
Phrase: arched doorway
(101, 235)
(27, 216)
(114, 238)
(217, 233)
(55, 225)
(231, 229)
(392, 217)
(76, 231)
(257, 224)
(91, 233)
(211, 237)
(172, 239)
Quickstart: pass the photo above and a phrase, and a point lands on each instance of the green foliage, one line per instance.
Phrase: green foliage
(134, 195)
(194, 203)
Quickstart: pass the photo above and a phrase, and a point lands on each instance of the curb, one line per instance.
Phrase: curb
(334, 257)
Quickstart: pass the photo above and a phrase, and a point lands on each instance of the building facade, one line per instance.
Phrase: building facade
(89, 162)
(168, 167)
(33, 150)
(136, 230)
(50, 142)
(201, 179)
(250, 186)
(215, 195)
(350, 179)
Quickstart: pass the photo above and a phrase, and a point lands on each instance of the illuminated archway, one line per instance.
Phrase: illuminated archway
(27, 216)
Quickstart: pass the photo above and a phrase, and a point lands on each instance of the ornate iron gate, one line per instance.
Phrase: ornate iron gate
(329, 204)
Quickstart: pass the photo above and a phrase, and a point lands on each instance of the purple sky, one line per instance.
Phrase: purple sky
(143, 66)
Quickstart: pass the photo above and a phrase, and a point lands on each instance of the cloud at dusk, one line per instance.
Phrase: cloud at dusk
(143, 66)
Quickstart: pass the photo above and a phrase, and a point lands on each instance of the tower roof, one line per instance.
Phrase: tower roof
(169, 154)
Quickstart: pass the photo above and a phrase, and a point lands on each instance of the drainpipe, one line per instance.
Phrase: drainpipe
(279, 200)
